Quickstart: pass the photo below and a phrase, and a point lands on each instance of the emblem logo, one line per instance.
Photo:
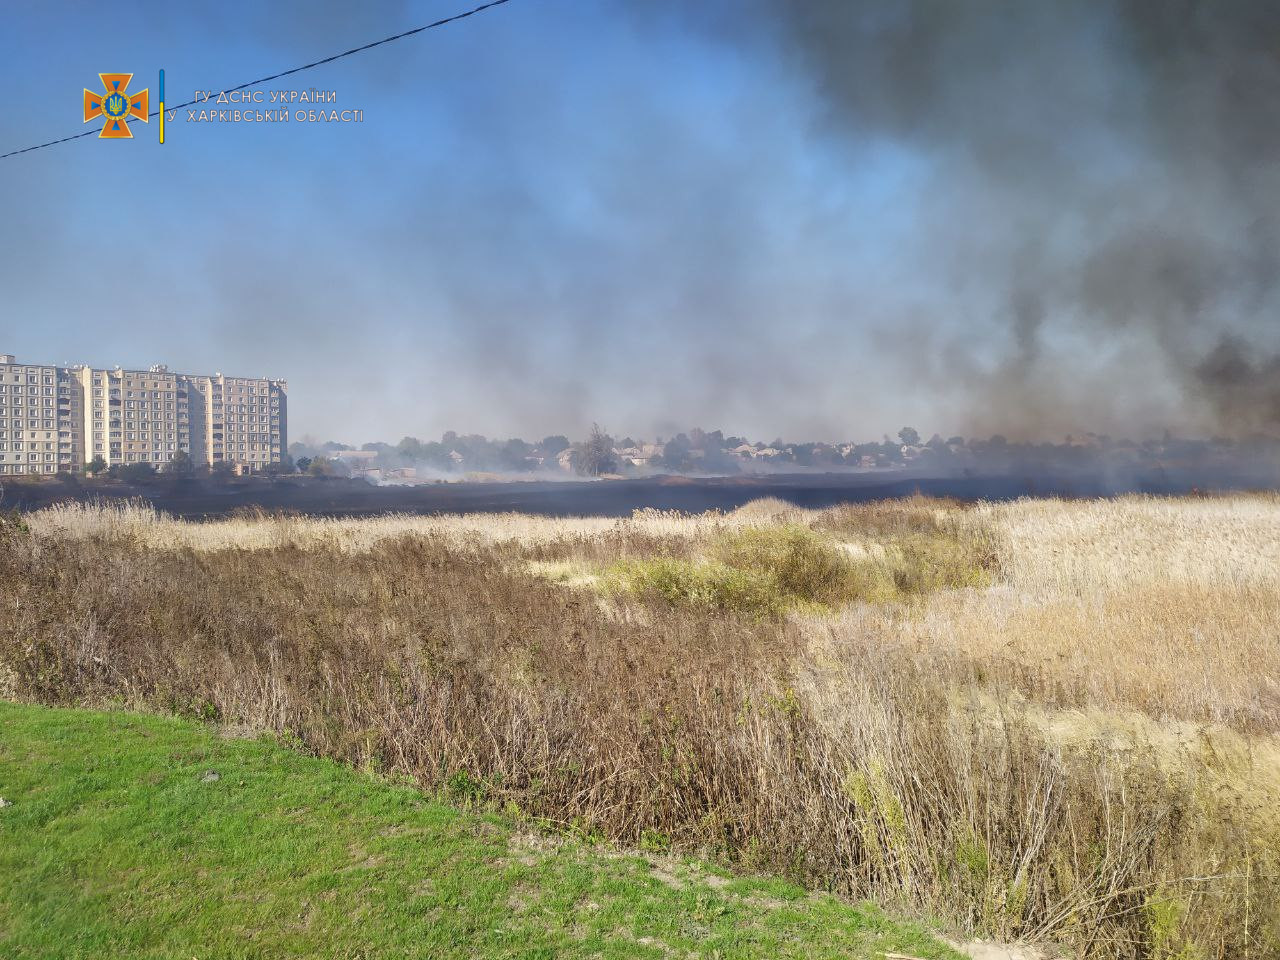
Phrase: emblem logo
(116, 106)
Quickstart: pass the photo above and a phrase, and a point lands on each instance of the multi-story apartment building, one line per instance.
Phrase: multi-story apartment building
(39, 432)
(61, 418)
(244, 419)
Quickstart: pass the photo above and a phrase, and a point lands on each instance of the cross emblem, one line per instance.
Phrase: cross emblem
(116, 105)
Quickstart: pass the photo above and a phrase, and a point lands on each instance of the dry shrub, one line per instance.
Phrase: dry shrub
(768, 510)
(836, 749)
(910, 515)
(1176, 653)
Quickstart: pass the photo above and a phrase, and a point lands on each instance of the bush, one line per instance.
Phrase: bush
(803, 565)
(699, 583)
(769, 570)
(923, 563)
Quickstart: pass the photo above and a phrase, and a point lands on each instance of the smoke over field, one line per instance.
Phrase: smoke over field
(803, 219)
(1100, 196)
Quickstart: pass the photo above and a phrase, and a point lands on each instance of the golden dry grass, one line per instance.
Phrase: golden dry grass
(141, 524)
(1085, 548)
(1048, 719)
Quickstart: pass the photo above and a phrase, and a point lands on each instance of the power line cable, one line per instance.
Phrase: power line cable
(284, 73)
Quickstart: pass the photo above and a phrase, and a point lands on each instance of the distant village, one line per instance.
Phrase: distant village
(711, 453)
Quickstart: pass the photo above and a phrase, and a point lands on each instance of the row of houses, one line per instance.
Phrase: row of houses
(638, 458)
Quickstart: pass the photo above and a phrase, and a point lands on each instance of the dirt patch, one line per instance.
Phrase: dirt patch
(238, 731)
(983, 950)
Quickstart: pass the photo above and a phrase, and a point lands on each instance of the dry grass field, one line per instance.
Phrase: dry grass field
(1044, 720)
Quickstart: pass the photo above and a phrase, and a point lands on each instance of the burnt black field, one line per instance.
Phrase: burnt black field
(194, 498)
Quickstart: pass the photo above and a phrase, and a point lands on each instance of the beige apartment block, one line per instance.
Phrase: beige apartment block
(245, 419)
(56, 419)
(41, 427)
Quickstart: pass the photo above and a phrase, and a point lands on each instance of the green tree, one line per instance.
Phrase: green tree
(282, 466)
(180, 464)
(554, 444)
(96, 466)
(677, 454)
(512, 454)
(137, 472)
(597, 453)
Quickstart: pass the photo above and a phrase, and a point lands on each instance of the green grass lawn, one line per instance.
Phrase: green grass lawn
(118, 842)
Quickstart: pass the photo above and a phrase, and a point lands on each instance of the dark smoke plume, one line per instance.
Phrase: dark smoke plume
(1106, 178)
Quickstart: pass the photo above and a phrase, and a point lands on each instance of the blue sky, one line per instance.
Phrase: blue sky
(556, 212)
